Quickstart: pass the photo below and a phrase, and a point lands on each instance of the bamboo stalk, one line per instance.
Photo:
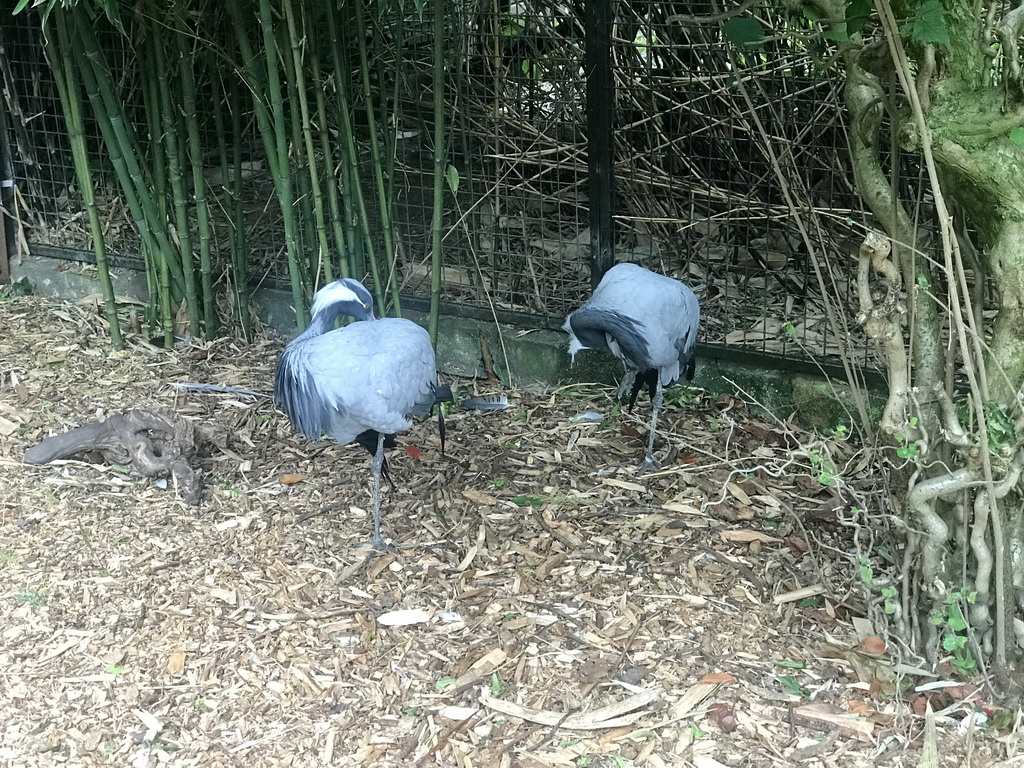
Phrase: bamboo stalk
(376, 161)
(71, 101)
(157, 162)
(179, 195)
(272, 133)
(121, 149)
(231, 174)
(439, 172)
(238, 249)
(391, 134)
(326, 149)
(186, 60)
(350, 162)
(320, 220)
(151, 103)
(310, 263)
(158, 281)
(283, 180)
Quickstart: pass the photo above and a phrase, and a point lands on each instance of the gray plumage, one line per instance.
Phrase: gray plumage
(368, 375)
(648, 321)
(358, 383)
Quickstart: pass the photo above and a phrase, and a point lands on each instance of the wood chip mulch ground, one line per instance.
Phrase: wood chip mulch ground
(546, 607)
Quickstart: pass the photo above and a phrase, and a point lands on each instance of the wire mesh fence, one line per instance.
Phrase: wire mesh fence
(729, 164)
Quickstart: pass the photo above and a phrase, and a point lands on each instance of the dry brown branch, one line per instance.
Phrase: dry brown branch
(681, 18)
(883, 323)
(156, 445)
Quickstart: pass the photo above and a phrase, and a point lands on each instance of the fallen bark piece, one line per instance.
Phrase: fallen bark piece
(154, 444)
(825, 716)
(612, 716)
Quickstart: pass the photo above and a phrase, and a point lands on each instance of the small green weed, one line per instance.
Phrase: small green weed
(33, 597)
(496, 684)
(680, 396)
(444, 684)
(823, 467)
(866, 574)
(953, 629)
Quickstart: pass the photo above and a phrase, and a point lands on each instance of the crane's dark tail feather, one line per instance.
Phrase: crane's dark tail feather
(648, 378)
(442, 395)
(368, 440)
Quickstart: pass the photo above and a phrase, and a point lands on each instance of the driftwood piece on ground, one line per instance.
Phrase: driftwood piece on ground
(155, 444)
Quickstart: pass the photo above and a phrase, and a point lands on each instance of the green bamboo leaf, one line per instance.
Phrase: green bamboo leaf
(928, 25)
(744, 33)
(791, 664)
(1017, 136)
(792, 686)
(110, 10)
(452, 175)
(528, 501)
(21, 6)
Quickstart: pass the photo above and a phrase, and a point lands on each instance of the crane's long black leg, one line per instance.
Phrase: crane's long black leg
(376, 466)
(650, 465)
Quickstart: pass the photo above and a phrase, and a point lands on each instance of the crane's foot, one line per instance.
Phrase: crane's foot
(377, 543)
(648, 466)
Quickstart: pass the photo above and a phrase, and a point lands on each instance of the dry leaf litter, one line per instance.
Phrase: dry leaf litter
(547, 607)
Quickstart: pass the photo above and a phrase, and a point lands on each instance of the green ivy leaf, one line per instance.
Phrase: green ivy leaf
(952, 643)
(929, 25)
(857, 14)
(745, 33)
(955, 619)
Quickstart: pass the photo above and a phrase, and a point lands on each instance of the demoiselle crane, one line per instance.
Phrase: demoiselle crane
(648, 321)
(360, 382)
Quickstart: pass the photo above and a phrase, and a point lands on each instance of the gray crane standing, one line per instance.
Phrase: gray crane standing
(648, 321)
(358, 383)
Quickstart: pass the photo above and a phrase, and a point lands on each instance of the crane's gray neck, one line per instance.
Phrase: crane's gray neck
(593, 327)
(323, 320)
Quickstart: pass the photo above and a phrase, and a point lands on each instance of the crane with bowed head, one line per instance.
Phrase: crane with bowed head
(648, 321)
(358, 383)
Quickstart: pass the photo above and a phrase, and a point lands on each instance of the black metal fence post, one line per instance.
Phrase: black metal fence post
(600, 148)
